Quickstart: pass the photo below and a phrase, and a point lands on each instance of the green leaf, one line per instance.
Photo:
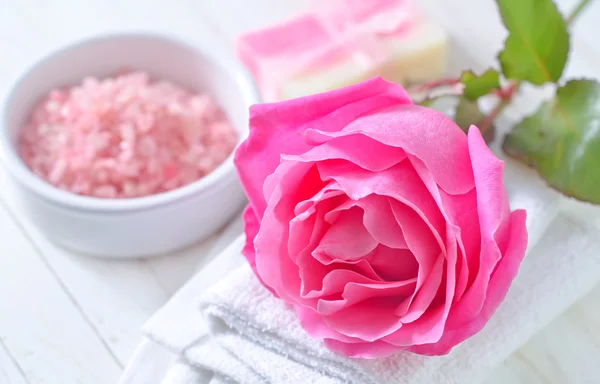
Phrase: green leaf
(537, 46)
(562, 140)
(477, 86)
(467, 114)
(443, 103)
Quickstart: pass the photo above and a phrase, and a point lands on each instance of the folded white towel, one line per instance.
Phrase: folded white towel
(251, 337)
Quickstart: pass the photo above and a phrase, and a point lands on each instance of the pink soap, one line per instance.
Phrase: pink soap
(276, 53)
(359, 31)
(126, 136)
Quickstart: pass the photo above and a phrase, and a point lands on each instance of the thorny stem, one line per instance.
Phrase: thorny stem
(506, 94)
(509, 90)
(486, 123)
(435, 84)
(577, 10)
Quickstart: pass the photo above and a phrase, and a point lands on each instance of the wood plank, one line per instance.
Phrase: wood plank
(172, 271)
(116, 297)
(10, 371)
(41, 326)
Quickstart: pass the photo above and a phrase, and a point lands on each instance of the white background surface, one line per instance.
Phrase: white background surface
(66, 318)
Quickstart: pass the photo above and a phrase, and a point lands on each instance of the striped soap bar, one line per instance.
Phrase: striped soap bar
(341, 43)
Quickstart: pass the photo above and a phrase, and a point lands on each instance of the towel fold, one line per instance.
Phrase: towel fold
(237, 332)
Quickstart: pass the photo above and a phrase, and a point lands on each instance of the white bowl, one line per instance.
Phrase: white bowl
(142, 226)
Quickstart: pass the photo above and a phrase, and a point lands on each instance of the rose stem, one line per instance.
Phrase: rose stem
(577, 10)
(435, 84)
(506, 94)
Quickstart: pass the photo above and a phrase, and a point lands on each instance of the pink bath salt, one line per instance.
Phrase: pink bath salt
(125, 136)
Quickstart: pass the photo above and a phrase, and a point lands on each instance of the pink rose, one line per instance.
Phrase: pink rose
(379, 221)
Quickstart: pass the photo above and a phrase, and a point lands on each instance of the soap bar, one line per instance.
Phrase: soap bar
(341, 43)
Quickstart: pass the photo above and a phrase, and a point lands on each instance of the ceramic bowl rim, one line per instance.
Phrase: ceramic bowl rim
(17, 168)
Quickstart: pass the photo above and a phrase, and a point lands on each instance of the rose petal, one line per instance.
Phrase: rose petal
(425, 133)
(347, 238)
(427, 329)
(314, 266)
(460, 211)
(430, 326)
(462, 272)
(426, 250)
(378, 219)
(251, 227)
(361, 266)
(356, 292)
(276, 128)
(500, 282)
(307, 207)
(424, 295)
(305, 184)
(303, 234)
(311, 272)
(380, 222)
(357, 149)
(393, 264)
(368, 320)
(273, 263)
(400, 182)
(314, 325)
(493, 210)
(335, 281)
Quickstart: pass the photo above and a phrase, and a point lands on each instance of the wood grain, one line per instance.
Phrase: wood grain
(10, 371)
(41, 325)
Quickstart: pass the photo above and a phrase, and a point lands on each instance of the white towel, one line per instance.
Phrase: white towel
(236, 332)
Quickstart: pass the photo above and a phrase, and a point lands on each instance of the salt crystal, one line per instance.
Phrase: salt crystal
(108, 191)
(126, 136)
(57, 172)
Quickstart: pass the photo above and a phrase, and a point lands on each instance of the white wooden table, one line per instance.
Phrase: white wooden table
(66, 318)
